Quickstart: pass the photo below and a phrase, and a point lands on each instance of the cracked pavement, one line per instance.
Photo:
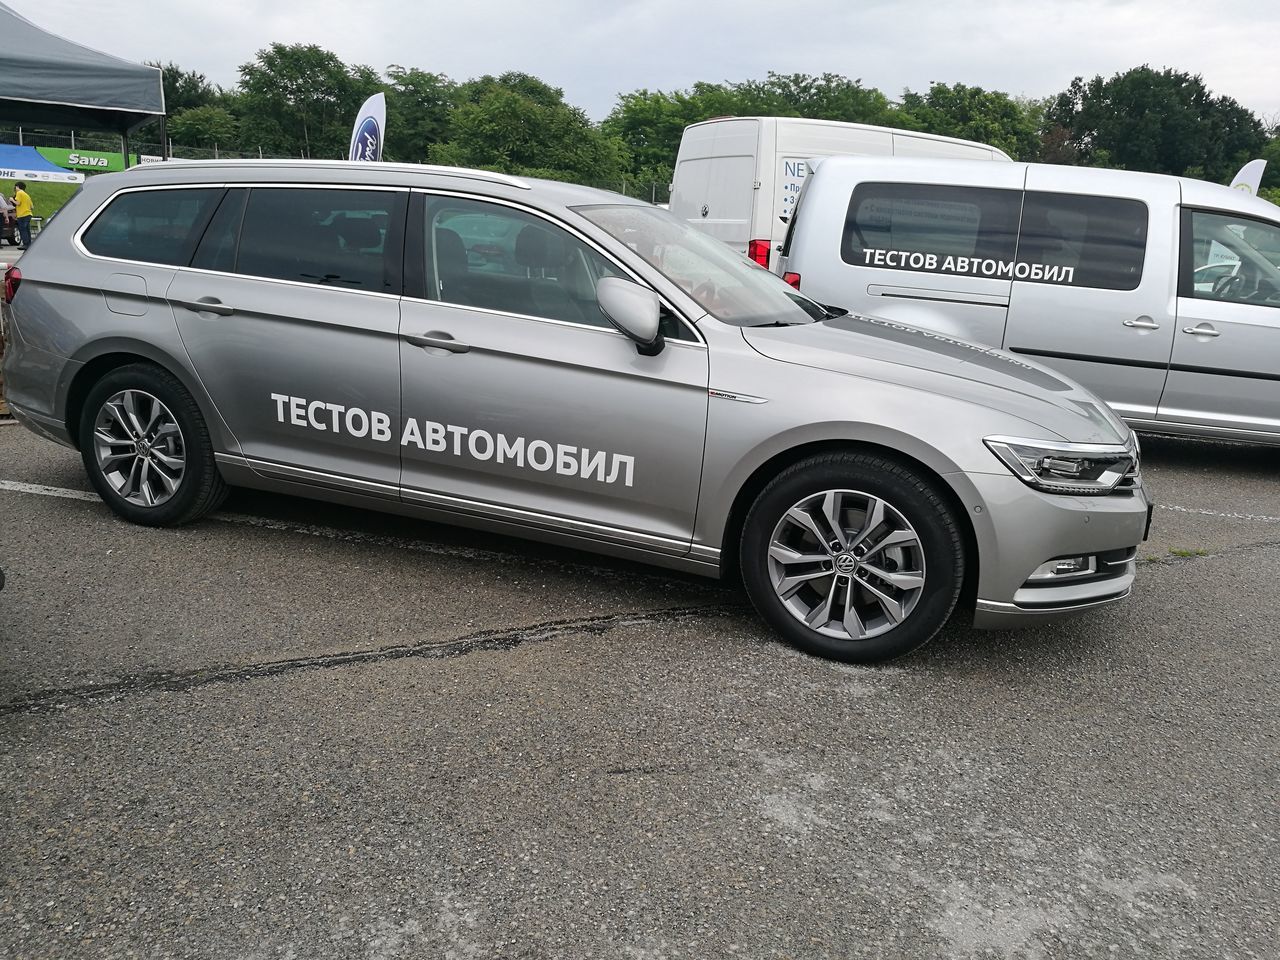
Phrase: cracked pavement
(297, 730)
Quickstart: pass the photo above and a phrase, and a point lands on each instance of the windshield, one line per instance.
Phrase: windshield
(725, 284)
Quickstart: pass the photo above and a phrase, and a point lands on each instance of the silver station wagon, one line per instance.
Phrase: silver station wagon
(564, 364)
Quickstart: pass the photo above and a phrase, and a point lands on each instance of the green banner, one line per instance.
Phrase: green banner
(85, 161)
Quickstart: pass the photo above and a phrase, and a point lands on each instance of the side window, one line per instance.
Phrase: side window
(1082, 241)
(153, 226)
(1231, 258)
(340, 238)
(217, 250)
(962, 231)
(498, 258)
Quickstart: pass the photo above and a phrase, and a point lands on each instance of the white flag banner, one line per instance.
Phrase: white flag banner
(366, 135)
(1250, 177)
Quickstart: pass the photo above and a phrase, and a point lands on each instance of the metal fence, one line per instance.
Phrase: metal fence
(107, 143)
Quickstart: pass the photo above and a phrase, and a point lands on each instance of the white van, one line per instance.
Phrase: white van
(1160, 294)
(737, 178)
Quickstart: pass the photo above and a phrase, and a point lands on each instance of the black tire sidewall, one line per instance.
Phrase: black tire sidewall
(200, 482)
(924, 507)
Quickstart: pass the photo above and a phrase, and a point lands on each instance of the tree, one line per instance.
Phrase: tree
(826, 97)
(972, 113)
(518, 124)
(209, 126)
(184, 89)
(1158, 121)
(302, 99)
(419, 105)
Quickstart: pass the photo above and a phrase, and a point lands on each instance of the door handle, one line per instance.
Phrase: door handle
(207, 305)
(1202, 330)
(1142, 324)
(438, 341)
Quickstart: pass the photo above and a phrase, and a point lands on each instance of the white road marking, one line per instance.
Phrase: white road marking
(1254, 517)
(367, 539)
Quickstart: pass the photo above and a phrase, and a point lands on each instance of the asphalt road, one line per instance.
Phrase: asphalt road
(298, 731)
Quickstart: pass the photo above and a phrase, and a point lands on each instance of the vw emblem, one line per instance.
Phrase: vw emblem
(846, 564)
(705, 209)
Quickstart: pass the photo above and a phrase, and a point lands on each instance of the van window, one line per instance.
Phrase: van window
(339, 238)
(152, 226)
(1083, 241)
(1231, 258)
(930, 228)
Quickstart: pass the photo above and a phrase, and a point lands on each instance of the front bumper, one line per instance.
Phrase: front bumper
(1020, 529)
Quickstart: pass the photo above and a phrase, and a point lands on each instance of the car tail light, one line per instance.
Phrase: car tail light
(793, 279)
(758, 250)
(12, 278)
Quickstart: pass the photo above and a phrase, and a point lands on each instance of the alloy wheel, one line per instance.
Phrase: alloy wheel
(139, 448)
(846, 564)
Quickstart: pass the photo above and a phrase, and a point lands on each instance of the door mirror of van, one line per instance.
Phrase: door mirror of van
(634, 310)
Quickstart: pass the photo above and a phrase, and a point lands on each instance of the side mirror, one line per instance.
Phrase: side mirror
(634, 310)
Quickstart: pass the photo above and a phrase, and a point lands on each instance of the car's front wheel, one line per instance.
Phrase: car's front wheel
(147, 450)
(854, 557)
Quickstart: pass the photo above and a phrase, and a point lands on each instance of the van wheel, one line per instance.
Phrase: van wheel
(147, 450)
(853, 557)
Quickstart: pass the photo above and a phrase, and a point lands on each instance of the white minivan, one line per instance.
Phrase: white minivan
(737, 178)
(1160, 294)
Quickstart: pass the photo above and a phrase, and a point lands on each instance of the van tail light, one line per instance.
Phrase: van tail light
(793, 279)
(12, 278)
(758, 250)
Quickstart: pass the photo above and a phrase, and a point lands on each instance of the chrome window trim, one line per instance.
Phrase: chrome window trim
(577, 234)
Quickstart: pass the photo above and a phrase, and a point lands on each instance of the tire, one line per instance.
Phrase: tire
(904, 572)
(175, 480)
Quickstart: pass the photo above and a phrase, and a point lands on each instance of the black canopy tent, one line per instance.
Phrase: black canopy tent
(48, 81)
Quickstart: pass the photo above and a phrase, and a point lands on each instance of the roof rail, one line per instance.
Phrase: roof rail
(460, 172)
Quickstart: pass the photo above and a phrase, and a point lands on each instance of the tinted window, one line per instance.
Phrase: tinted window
(154, 226)
(1083, 241)
(499, 258)
(934, 229)
(217, 250)
(1230, 258)
(339, 238)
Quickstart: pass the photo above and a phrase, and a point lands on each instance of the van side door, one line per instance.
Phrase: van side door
(1225, 369)
(1093, 294)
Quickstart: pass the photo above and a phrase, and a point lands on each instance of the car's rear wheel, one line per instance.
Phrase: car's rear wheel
(854, 557)
(147, 450)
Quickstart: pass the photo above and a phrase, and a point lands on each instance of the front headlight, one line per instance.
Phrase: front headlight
(1079, 469)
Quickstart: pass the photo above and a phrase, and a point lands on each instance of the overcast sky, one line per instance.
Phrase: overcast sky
(594, 49)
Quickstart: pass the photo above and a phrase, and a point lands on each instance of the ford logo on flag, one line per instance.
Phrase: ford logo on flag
(368, 141)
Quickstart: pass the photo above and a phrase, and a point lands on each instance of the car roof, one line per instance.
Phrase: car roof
(1193, 193)
(360, 174)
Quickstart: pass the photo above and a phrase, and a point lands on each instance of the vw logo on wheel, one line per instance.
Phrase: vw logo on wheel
(845, 563)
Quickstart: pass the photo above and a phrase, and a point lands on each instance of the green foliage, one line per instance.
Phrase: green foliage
(972, 113)
(204, 127)
(419, 106)
(298, 99)
(1271, 153)
(1159, 121)
(518, 124)
(1270, 193)
(184, 89)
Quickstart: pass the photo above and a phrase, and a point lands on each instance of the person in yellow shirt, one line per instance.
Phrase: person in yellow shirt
(22, 211)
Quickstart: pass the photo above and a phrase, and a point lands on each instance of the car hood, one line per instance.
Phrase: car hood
(884, 350)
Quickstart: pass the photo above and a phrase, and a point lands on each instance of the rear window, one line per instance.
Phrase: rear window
(339, 238)
(1085, 241)
(152, 226)
(931, 228)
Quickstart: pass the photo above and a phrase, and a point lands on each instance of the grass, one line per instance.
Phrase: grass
(47, 198)
(1197, 552)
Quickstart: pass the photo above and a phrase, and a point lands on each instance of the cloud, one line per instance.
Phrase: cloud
(595, 51)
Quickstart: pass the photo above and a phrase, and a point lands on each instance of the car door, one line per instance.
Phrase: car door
(1225, 369)
(290, 313)
(521, 402)
(1093, 295)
